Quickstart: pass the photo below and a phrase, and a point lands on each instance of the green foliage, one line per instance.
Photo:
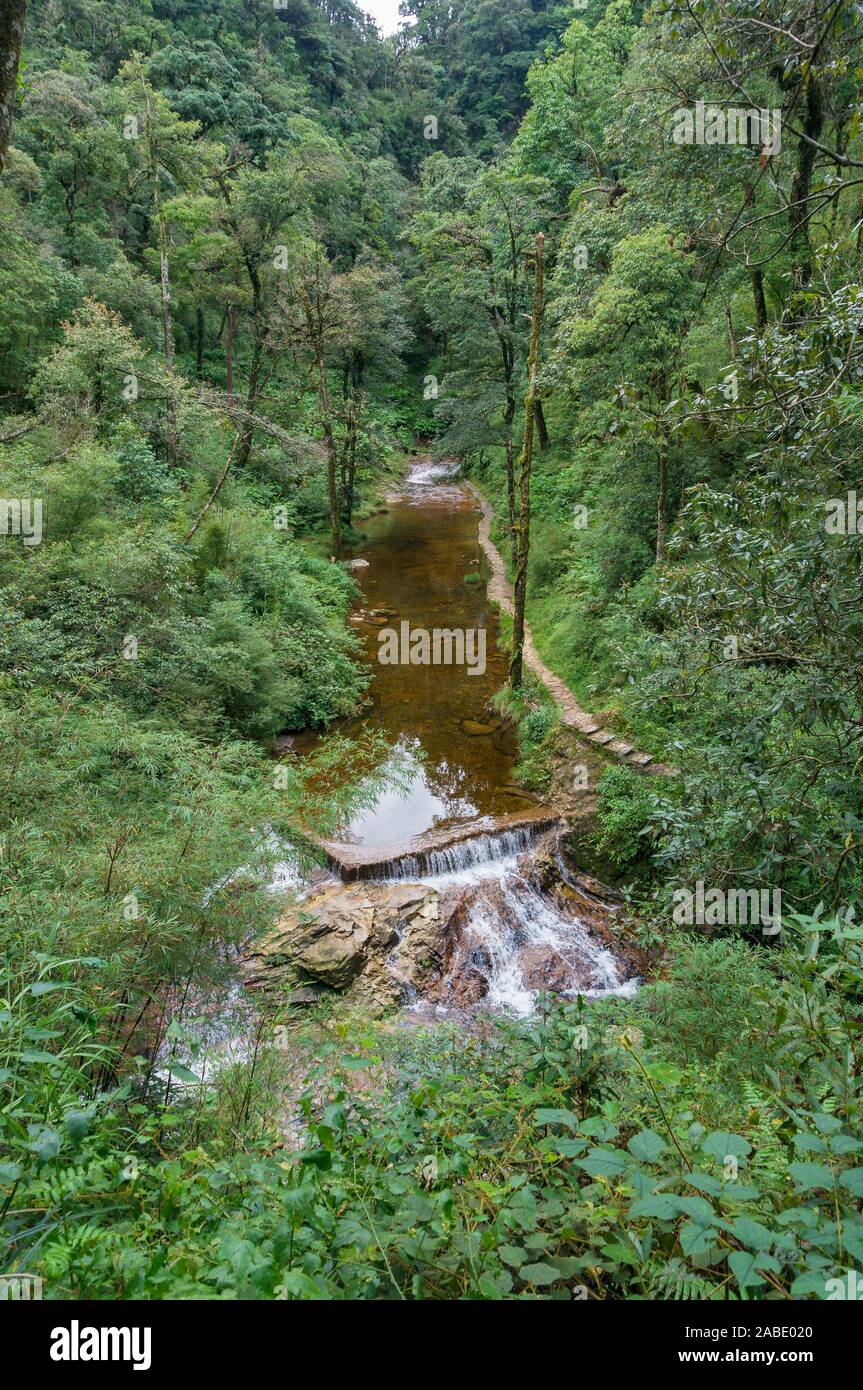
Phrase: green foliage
(230, 266)
(561, 1158)
(712, 1006)
(624, 811)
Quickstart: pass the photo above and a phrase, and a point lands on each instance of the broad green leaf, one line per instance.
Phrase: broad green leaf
(724, 1145)
(810, 1175)
(511, 1255)
(663, 1206)
(555, 1117)
(647, 1146)
(602, 1163)
(743, 1266)
(852, 1181)
(539, 1273)
(751, 1233)
(317, 1158)
(44, 1142)
(77, 1124)
(181, 1073)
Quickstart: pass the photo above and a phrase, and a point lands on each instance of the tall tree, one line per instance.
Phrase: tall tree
(473, 231)
(524, 468)
(12, 16)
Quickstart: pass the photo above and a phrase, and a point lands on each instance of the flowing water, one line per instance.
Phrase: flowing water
(446, 823)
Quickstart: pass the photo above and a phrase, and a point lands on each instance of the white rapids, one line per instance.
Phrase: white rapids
(512, 930)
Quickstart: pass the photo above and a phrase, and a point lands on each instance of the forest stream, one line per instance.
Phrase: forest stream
(450, 892)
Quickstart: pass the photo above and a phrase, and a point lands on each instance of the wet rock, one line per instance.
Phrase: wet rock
(310, 994)
(474, 729)
(467, 987)
(510, 789)
(380, 941)
(543, 968)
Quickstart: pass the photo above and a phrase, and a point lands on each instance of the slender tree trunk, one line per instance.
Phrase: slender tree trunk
(229, 351)
(509, 417)
(251, 398)
(12, 16)
(199, 341)
(257, 357)
(798, 210)
(332, 459)
(758, 296)
(349, 463)
(663, 492)
(541, 429)
(520, 588)
(507, 356)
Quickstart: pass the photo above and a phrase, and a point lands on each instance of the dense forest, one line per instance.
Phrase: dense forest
(608, 257)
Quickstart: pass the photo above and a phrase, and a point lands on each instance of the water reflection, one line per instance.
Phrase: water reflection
(424, 566)
(425, 798)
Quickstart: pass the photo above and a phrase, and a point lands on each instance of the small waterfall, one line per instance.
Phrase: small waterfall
(460, 857)
(516, 941)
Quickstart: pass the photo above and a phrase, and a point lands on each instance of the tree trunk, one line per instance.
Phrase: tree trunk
(332, 459)
(798, 210)
(663, 493)
(199, 341)
(520, 590)
(351, 456)
(251, 397)
(229, 351)
(758, 296)
(12, 16)
(508, 418)
(541, 429)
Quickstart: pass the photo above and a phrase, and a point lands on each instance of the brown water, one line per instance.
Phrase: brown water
(438, 719)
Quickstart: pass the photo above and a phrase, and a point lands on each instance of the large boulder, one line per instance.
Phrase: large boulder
(383, 941)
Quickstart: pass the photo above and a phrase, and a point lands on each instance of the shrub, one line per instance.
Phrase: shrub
(623, 814)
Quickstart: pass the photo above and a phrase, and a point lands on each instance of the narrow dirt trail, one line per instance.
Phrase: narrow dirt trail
(571, 713)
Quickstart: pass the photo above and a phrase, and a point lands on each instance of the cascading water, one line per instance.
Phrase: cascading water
(459, 860)
(515, 936)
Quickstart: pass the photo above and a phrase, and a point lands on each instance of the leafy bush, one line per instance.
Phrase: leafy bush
(712, 1006)
(624, 810)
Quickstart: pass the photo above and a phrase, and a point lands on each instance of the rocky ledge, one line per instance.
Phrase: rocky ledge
(385, 942)
(392, 943)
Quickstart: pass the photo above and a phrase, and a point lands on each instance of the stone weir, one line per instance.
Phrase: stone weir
(444, 851)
